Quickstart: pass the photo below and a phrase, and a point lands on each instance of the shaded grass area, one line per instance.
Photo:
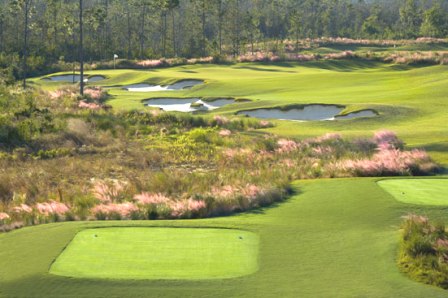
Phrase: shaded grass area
(156, 253)
(418, 191)
(336, 238)
(404, 96)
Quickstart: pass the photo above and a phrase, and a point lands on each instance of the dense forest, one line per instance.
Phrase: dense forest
(142, 29)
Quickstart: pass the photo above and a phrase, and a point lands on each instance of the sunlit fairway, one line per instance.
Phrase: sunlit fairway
(335, 238)
(410, 100)
(158, 253)
(418, 191)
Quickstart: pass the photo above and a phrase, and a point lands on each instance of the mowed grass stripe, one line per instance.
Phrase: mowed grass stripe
(159, 253)
(418, 191)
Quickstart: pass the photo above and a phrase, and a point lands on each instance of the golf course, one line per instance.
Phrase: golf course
(410, 101)
(225, 148)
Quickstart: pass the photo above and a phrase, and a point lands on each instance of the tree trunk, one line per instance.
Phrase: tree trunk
(25, 43)
(203, 29)
(220, 26)
(237, 51)
(174, 33)
(142, 31)
(81, 53)
(1, 35)
(164, 26)
(129, 30)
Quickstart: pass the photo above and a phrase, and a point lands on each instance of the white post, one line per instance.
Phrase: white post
(115, 57)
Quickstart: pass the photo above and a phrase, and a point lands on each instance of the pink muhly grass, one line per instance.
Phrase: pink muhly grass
(240, 154)
(151, 199)
(57, 94)
(225, 133)
(52, 208)
(226, 191)
(150, 63)
(23, 208)
(251, 191)
(87, 105)
(108, 192)
(323, 151)
(186, 207)
(155, 113)
(221, 120)
(94, 93)
(289, 163)
(124, 210)
(391, 161)
(441, 244)
(265, 124)
(386, 139)
(4, 216)
(328, 137)
(286, 146)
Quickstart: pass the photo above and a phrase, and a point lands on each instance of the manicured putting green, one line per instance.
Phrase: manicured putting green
(159, 253)
(418, 191)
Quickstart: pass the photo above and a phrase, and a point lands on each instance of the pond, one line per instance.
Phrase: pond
(180, 85)
(314, 112)
(187, 104)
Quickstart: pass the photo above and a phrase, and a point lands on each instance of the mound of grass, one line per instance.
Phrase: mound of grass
(418, 191)
(159, 253)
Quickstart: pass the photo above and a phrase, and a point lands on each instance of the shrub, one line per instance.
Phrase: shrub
(423, 251)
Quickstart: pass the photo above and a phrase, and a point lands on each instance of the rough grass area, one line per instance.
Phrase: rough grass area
(159, 253)
(418, 191)
(423, 251)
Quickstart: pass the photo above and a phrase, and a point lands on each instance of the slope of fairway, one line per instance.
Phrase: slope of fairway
(412, 101)
(335, 238)
(418, 191)
(156, 253)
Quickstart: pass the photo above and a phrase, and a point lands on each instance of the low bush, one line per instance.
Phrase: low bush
(424, 251)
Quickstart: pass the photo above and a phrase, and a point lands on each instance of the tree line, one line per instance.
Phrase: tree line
(144, 29)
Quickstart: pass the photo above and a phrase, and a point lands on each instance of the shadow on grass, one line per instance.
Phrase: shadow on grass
(438, 147)
(46, 285)
(344, 65)
(264, 69)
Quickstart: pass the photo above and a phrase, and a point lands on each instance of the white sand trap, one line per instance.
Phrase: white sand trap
(181, 85)
(74, 78)
(308, 113)
(185, 104)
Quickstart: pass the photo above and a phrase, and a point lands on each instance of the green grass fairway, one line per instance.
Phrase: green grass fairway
(412, 101)
(418, 191)
(157, 253)
(336, 238)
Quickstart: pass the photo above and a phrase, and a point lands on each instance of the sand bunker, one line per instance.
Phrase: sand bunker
(308, 113)
(187, 104)
(74, 78)
(181, 85)
(313, 112)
